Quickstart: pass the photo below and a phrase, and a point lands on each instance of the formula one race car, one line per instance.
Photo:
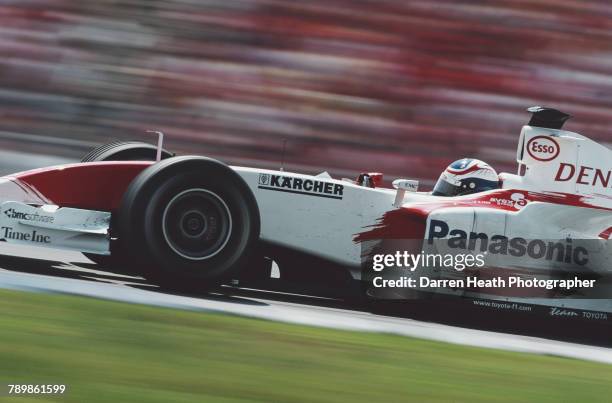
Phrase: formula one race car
(192, 222)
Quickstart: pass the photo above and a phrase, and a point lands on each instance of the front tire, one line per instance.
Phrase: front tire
(192, 221)
(120, 151)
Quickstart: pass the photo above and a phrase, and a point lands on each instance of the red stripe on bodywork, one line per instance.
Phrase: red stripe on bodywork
(410, 222)
(91, 186)
(404, 223)
(568, 199)
(606, 233)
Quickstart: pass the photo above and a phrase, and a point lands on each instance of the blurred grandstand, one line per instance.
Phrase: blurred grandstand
(402, 87)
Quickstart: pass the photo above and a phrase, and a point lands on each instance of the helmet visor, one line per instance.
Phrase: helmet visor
(444, 188)
(466, 186)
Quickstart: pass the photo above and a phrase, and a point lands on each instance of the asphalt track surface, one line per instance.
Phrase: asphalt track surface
(52, 271)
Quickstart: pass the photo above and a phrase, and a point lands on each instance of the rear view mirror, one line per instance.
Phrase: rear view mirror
(403, 186)
(406, 184)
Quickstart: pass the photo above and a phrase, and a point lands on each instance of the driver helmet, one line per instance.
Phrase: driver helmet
(466, 176)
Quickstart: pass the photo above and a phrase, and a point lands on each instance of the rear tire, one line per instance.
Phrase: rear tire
(191, 221)
(120, 151)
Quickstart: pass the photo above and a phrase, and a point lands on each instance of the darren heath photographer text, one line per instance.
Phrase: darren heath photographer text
(475, 282)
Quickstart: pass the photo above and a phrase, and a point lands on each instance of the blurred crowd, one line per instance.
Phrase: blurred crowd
(402, 87)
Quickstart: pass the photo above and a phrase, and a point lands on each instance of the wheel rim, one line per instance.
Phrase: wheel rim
(196, 224)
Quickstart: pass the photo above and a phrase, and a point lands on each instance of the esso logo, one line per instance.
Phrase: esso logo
(543, 148)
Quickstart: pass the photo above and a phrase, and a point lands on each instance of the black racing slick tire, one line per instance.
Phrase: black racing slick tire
(120, 151)
(191, 221)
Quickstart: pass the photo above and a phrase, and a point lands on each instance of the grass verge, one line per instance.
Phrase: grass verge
(108, 351)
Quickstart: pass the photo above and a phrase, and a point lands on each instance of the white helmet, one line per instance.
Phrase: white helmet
(466, 176)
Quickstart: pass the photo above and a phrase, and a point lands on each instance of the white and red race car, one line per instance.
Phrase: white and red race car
(190, 221)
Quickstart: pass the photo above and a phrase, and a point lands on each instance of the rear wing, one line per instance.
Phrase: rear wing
(551, 159)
